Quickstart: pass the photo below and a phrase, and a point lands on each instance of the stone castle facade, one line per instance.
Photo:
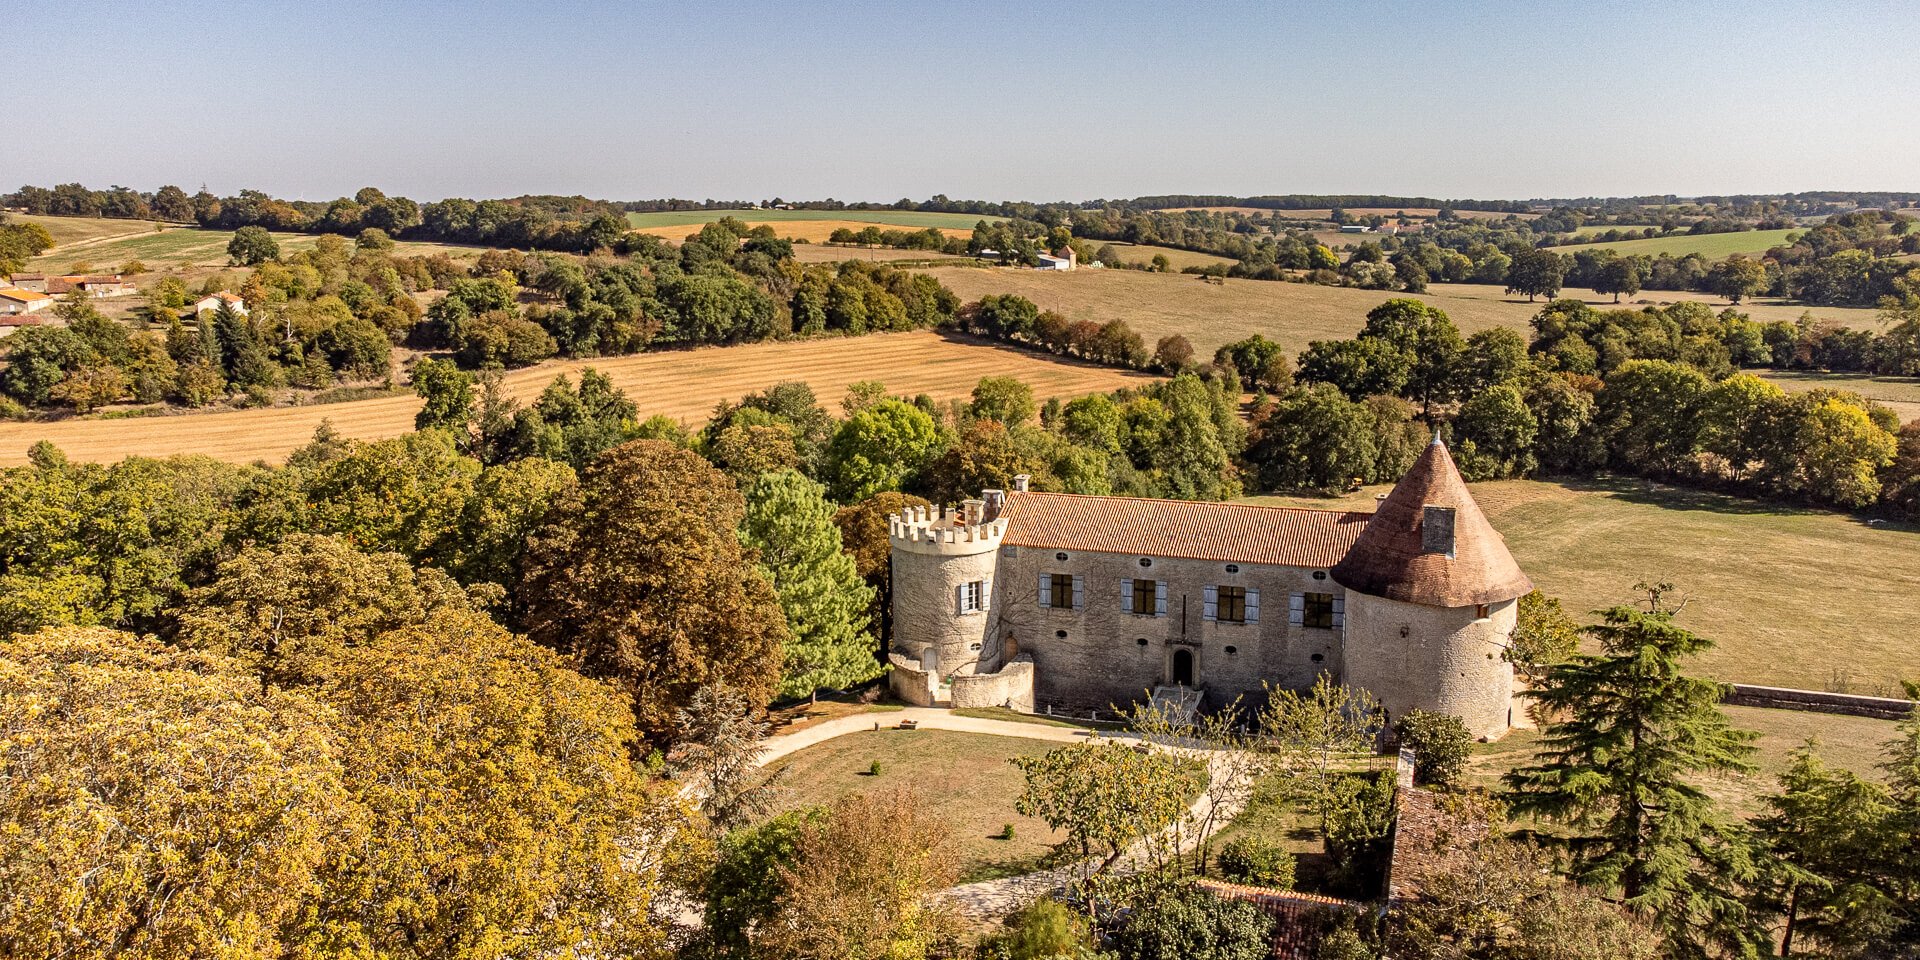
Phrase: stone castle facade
(1042, 600)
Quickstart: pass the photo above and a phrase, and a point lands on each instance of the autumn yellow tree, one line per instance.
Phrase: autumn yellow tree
(157, 803)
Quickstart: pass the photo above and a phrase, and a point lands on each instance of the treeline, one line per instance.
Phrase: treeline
(1306, 201)
(1650, 392)
(332, 314)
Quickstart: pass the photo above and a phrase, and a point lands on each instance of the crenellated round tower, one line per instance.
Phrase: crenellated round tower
(943, 567)
(1432, 602)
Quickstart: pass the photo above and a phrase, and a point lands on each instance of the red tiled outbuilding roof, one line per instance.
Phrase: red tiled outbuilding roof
(1231, 532)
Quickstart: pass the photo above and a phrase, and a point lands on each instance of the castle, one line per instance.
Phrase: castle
(1047, 600)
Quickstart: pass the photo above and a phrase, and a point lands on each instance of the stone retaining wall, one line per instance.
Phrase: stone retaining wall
(1011, 686)
(1782, 698)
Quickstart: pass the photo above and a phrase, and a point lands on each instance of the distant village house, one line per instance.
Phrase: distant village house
(97, 287)
(15, 301)
(212, 303)
(1064, 259)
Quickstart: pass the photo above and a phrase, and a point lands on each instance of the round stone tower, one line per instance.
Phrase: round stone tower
(1432, 602)
(943, 564)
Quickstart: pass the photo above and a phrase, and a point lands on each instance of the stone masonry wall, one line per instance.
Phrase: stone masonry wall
(1447, 661)
(1093, 658)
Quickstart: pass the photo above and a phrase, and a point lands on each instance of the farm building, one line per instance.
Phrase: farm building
(1356, 228)
(36, 282)
(97, 287)
(1058, 260)
(212, 303)
(1048, 600)
(15, 301)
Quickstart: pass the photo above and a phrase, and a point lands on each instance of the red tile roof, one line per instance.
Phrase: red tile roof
(1232, 532)
(1394, 560)
(1299, 918)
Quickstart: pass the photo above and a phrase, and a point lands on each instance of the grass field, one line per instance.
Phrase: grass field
(812, 231)
(1713, 246)
(681, 384)
(818, 253)
(1792, 597)
(1143, 253)
(67, 231)
(1902, 394)
(1159, 304)
(187, 247)
(887, 218)
(966, 776)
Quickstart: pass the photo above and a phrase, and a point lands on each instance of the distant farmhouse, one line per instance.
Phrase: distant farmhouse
(1043, 601)
(1063, 259)
(97, 287)
(15, 301)
(211, 304)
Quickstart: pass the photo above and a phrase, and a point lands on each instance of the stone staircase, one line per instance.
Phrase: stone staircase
(1180, 701)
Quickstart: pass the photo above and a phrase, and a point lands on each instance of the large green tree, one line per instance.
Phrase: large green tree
(879, 449)
(789, 524)
(640, 576)
(1621, 767)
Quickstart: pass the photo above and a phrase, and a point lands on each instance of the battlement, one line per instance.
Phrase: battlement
(946, 530)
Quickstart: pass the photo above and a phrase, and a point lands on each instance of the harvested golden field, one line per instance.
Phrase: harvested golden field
(684, 385)
(1160, 304)
(1323, 213)
(821, 253)
(186, 248)
(1792, 596)
(812, 231)
(1144, 253)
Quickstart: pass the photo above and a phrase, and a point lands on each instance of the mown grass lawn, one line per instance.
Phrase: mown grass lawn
(1791, 596)
(964, 777)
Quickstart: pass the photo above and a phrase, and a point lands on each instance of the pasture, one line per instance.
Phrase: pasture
(1144, 253)
(820, 253)
(186, 248)
(1791, 596)
(67, 231)
(1901, 394)
(1159, 304)
(682, 384)
(964, 777)
(1713, 246)
(812, 231)
(908, 219)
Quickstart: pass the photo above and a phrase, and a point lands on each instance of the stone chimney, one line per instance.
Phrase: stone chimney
(973, 511)
(1020, 482)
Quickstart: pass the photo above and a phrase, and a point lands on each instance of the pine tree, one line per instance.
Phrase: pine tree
(1618, 767)
(1822, 829)
(790, 522)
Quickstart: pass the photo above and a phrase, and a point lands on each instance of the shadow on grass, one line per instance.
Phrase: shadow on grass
(1668, 496)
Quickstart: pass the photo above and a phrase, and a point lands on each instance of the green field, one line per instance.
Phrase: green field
(1790, 596)
(1713, 246)
(1159, 304)
(192, 247)
(1143, 253)
(895, 218)
(71, 230)
(965, 776)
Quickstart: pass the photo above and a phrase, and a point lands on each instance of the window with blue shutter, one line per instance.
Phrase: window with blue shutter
(1046, 590)
(1210, 603)
(1297, 609)
(1079, 592)
(1253, 605)
(1160, 598)
(1339, 613)
(1126, 594)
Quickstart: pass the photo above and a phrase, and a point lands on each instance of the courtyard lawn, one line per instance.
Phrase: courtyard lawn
(963, 777)
(1791, 596)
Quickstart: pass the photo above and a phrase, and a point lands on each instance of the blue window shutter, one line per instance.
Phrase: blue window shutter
(1126, 594)
(1339, 612)
(1159, 598)
(960, 598)
(1297, 609)
(1253, 605)
(1079, 592)
(1046, 590)
(1211, 603)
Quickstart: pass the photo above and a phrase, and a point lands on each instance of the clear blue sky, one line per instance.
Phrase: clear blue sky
(1033, 100)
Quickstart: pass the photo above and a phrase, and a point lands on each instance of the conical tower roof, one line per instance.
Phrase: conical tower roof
(1428, 543)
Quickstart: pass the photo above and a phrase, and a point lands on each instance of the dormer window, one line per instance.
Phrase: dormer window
(1436, 530)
